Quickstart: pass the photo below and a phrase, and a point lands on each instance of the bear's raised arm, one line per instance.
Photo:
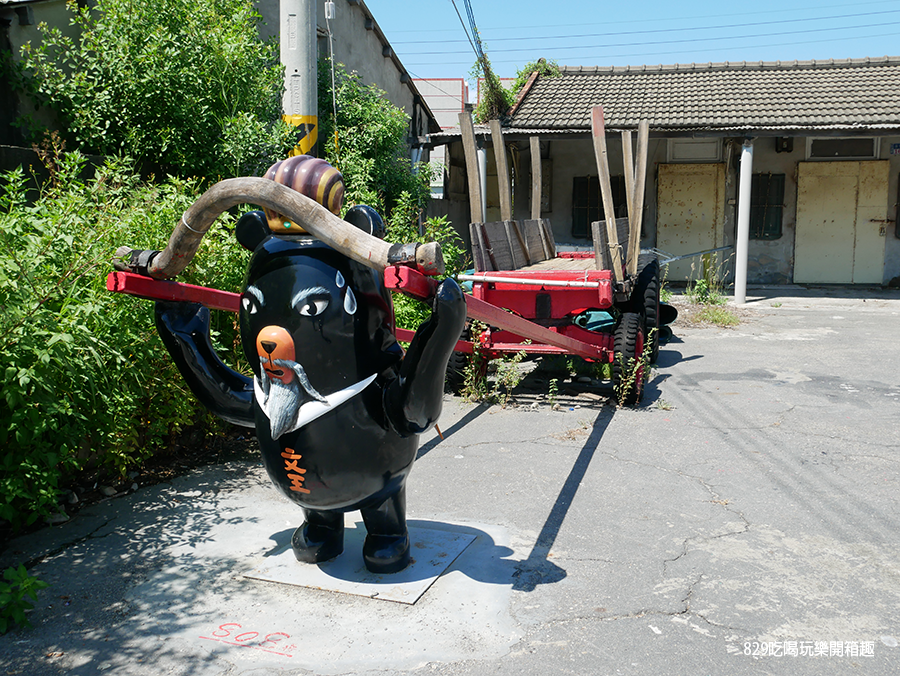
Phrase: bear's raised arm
(413, 401)
(184, 329)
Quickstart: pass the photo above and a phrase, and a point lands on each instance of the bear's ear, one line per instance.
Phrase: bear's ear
(366, 219)
(251, 229)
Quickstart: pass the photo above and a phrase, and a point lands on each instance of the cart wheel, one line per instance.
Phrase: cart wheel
(646, 301)
(459, 364)
(456, 371)
(628, 365)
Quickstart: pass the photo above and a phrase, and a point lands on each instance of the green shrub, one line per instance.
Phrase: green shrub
(370, 149)
(184, 84)
(84, 375)
(543, 66)
(410, 313)
(18, 587)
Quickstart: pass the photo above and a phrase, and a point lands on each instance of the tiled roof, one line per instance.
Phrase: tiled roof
(855, 94)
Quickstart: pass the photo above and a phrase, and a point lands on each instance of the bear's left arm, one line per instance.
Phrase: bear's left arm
(184, 329)
(413, 401)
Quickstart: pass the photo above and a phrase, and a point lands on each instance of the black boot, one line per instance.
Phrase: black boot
(386, 554)
(320, 538)
(386, 549)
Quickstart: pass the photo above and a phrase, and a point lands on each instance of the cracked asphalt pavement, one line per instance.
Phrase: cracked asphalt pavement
(743, 520)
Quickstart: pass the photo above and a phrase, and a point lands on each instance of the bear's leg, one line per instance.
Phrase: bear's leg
(320, 538)
(386, 549)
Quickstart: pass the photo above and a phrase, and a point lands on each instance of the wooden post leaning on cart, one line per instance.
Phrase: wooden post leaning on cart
(598, 131)
(536, 177)
(502, 171)
(519, 248)
(628, 158)
(536, 198)
(636, 194)
(480, 249)
(467, 130)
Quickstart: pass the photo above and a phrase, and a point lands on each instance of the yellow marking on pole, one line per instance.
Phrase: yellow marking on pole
(307, 141)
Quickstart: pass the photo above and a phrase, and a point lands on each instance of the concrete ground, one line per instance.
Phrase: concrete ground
(743, 520)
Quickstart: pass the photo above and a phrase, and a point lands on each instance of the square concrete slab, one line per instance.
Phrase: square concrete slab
(432, 553)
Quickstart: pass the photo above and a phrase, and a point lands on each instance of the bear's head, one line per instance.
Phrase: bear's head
(316, 326)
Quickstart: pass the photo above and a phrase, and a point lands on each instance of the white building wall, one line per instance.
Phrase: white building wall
(770, 261)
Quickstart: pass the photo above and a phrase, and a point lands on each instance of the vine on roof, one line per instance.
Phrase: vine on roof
(499, 100)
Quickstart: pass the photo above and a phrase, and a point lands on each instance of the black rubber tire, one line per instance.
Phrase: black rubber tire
(458, 364)
(629, 345)
(646, 301)
(456, 371)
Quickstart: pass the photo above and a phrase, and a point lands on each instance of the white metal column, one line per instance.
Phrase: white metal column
(742, 245)
(482, 176)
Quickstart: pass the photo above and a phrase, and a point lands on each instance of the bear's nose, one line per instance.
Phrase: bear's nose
(275, 342)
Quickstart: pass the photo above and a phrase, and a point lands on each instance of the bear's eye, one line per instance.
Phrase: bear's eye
(249, 305)
(313, 306)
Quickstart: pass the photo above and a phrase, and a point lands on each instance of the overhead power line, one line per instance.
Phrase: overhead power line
(465, 30)
(545, 49)
(658, 30)
(619, 55)
(643, 20)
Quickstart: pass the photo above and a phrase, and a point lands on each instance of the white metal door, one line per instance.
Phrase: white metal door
(841, 208)
(691, 214)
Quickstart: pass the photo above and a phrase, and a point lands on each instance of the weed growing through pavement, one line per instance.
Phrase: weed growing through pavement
(553, 391)
(708, 289)
(708, 292)
(665, 293)
(633, 369)
(506, 375)
(507, 378)
(475, 385)
(18, 587)
(718, 316)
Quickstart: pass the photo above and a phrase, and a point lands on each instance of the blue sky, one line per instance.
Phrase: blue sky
(429, 38)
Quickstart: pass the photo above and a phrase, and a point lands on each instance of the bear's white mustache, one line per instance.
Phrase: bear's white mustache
(302, 378)
(283, 403)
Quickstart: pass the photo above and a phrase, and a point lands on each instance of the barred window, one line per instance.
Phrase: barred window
(766, 206)
(587, 203)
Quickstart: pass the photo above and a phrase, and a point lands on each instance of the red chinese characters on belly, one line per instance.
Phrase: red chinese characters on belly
(294, 471)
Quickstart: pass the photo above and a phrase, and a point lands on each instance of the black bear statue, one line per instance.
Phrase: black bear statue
(337, 406)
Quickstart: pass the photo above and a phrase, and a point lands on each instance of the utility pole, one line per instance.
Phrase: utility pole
(297, 19)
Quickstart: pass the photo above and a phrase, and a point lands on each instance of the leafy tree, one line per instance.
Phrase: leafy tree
(186, 84)
(367, 142)
(370, 150)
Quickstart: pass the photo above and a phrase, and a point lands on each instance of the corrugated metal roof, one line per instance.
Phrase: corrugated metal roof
(853, 94)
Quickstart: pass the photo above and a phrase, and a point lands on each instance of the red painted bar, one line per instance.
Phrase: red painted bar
(515, 348)
(409, 281)
(406, 336)
(405, 279)
(494, 316)
(155, 289)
